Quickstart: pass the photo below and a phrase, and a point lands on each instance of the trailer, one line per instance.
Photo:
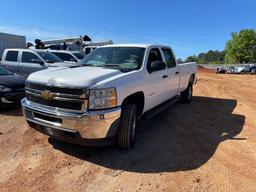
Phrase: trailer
(11, 41)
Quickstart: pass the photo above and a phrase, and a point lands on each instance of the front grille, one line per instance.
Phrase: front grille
(63, 98)
(41, 87)
(55, 103)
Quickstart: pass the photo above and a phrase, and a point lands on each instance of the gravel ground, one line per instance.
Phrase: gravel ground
(207, 145)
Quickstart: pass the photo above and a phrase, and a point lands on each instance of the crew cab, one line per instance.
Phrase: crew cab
(25, 62)
(68, 56)
(100, 102)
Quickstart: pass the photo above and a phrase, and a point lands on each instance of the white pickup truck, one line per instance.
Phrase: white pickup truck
(100, 102)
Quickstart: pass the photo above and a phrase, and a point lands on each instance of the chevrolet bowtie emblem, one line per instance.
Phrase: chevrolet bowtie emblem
(47, 95)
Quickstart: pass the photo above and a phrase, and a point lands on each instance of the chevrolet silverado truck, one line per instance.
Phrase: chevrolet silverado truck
(101, 101)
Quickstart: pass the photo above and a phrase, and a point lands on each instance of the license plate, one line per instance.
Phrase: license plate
(49, 130)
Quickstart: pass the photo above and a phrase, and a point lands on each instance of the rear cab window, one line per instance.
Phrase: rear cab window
(79, 55)
(169, 57)
(12, 56)
(64, 56)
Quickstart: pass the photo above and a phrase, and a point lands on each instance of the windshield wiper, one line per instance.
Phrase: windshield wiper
(126, 70)
(91, 65)
(50, 61)
(111, 65)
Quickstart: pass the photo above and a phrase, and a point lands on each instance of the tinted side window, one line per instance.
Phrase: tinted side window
(154, 55)
(28, 57)
(170, 60)
(12, 56)
(64, 56)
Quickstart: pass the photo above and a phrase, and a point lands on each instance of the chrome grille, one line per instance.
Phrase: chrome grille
(63, 98)
(62, 90)
(55, 103)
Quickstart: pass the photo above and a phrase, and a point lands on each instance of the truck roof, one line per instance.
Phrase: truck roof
(134, 45)
(22, 49)
(16, 49)
(62, 51)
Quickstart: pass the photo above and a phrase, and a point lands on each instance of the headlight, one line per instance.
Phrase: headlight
(4, 89)
(102, 98)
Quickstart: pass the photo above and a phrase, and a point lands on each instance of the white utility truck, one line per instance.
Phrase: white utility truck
(100, 102)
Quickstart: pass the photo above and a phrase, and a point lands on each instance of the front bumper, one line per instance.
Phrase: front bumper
(11, 97)
(82, 128)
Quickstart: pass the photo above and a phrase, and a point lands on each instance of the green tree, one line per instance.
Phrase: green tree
(241, 48)
(192, 59)
(214, 57)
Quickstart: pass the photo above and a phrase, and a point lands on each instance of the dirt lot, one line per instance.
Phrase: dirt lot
(208, 145)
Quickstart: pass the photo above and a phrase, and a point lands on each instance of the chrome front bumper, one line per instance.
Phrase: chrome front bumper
(89, 125)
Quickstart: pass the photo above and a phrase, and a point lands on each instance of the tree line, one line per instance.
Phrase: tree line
(241, 48)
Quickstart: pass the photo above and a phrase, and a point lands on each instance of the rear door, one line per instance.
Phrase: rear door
(30, 63)
(172, 72)
(11, 61)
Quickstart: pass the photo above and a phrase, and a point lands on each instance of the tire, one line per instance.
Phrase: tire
(186, 96)
(126, 130)
(242, 72)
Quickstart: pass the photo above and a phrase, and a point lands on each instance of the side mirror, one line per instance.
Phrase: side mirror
(37, 60)
(156, 66)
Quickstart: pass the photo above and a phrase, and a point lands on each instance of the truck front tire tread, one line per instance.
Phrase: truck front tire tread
(125, 134)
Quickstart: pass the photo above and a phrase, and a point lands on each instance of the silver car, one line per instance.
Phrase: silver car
(25, 62)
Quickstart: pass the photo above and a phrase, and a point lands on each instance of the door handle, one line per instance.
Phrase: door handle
(177, 72)
(165, 76)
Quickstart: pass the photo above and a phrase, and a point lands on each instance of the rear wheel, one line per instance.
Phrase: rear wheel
(242, 72)
(127, 127)
(186, 96)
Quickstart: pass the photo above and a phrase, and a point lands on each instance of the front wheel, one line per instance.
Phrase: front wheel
(186, 96)
(126, 130)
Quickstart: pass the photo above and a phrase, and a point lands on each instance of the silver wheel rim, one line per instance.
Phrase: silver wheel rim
(133, 127)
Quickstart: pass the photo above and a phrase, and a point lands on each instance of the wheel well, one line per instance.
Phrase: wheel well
(137, 99)
(192, 78)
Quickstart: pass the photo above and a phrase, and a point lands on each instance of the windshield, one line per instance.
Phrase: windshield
(79, 55)
(49, 57)
(121, 58)
(4, 71)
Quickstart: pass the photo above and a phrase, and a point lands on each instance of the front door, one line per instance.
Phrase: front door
(155, 82)
(30, 63)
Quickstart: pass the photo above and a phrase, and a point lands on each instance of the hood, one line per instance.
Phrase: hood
(239, 68)
(12, 81)
(62, 64)
(78, 77)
